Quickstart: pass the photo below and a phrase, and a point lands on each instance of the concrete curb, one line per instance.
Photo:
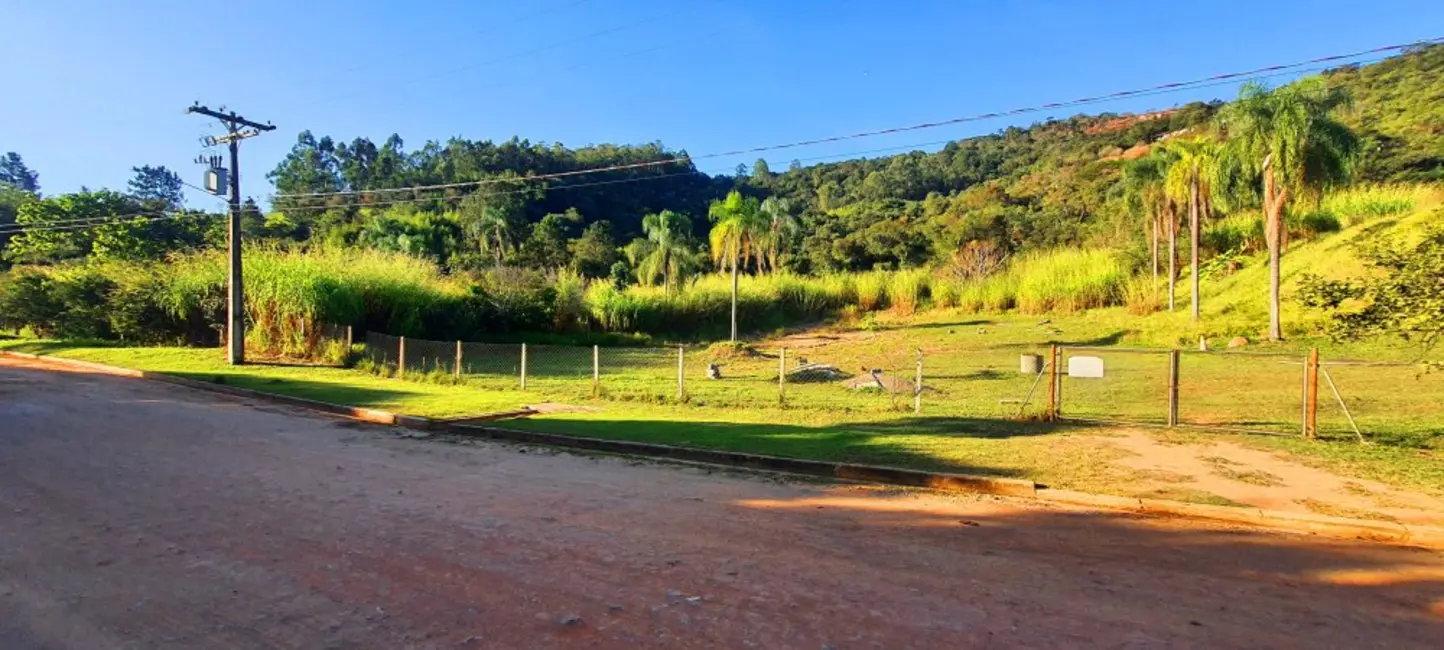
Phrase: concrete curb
(1383, 531)
(846, 471)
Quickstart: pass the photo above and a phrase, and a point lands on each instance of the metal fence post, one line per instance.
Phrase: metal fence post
(401, 358)
(1311, 424)
(1173, 358)
(918, 386)
(1052, 383)
(782, 376)
(523, 366)
(1303, 402)
(596, 371)
(681, 374)
(458, 360)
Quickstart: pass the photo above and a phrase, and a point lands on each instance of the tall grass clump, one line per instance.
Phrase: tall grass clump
(872, 291)
(908, 290)
(1361, 203)
(1069, 280)
(996, 292)
(702, 308)
(1144, 296)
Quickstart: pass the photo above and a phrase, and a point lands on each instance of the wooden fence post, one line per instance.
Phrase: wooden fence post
(1052, 413)
(681, 373)
(918, 386)
(458, 359)
(523, 366)
(596, 371)
(1173, 358)
(401, 358)
(349, 341)
(1311, 424)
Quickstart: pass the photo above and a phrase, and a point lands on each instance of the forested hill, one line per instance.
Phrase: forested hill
(1050, 184)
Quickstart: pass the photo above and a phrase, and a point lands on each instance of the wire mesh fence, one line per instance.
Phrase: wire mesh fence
(1240, 391)
(1405, 415)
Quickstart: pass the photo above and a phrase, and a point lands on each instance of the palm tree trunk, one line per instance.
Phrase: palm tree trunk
(734, 299)
(1276, 331)
(1193, 208)
(1154, 224)
(666, 271)
(1273, 199)
(1172, 255)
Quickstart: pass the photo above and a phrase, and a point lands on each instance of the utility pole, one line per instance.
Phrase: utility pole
(237, 128)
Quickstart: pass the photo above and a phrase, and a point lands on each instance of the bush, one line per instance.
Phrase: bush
(26, 301)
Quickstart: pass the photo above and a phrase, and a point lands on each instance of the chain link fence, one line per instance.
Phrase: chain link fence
(1231, 391)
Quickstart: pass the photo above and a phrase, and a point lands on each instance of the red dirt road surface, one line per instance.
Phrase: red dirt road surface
(140, 515)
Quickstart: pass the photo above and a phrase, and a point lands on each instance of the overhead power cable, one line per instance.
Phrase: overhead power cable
(642, 179)
(1204, 82)
(117, 220)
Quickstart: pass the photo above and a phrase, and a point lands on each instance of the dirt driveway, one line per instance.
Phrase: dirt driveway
(138, 515)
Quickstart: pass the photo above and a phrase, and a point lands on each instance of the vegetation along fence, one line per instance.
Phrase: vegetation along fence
(1252, 392)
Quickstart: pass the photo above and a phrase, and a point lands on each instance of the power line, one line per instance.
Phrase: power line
(112, 221)
(1204, 82)
(694, 172)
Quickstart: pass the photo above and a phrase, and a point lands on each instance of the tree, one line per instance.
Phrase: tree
(156, 188)
(546, 248)
(1188, 183)
(490, 217)
(14, 172)
(738, 231)
(667, 231)
(781, 226)
(594, 253)
(46, 240)
(1143, 189)
(11, 198)
(1288, 141)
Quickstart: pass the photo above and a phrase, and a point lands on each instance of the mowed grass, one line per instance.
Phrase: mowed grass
(972, 389)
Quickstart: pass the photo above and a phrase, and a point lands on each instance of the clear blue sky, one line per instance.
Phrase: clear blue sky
(94, 87)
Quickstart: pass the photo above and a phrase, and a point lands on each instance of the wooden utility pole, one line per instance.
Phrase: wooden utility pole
(237, 128)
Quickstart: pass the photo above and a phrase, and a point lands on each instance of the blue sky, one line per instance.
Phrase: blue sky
(95, 87)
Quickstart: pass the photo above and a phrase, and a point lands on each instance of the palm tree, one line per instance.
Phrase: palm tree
(493, 234)
(1287, 139)
(489, 223)
(737, 233)
(780, 226)
(1143, 191)
(668, 231)
(1188, 181)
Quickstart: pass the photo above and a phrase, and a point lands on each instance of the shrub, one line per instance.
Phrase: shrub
(26, 301)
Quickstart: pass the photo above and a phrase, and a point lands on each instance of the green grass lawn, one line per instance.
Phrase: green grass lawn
(972, 363)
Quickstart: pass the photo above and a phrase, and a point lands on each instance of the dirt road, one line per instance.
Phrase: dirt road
(139, 515)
